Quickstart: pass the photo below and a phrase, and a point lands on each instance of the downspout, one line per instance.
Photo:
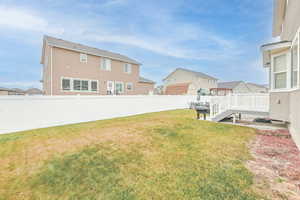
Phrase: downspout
(51, 70)
(298, 56)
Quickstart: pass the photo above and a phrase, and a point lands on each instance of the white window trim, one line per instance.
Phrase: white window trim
(119, 82)
(288, 72)
(79, 91)
(289, 69)
(296, 39)
(129, 68)
(61, 85)
(90, 85)
(103, 63)
(129, 83)
(83, 60)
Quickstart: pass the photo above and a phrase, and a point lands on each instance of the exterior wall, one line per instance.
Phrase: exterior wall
(3, 93)
(66, 63)
(287, 110)
(256, 89)
(295, 116)
(291, 21)
(241, 88)
(201, 83)
(280, 106)
(186, 77)
(145, 88)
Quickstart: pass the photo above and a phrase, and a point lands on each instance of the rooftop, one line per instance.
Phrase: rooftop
(86, 49)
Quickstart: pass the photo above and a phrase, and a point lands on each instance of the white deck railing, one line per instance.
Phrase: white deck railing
(243, 102)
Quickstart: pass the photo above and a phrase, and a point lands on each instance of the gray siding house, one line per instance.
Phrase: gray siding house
(282, 61)
(184, 81)
(235, 86)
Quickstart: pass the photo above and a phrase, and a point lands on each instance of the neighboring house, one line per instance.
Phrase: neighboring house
(282, 60)
(145, 86)
(34, 91)
(71, 69)
(184, 81)
(234, 87)
(5, 91)
(256, 88)
(159, 90)
(18, 91)
(13, 91)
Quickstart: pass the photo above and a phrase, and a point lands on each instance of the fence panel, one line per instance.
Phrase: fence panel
(19, 113)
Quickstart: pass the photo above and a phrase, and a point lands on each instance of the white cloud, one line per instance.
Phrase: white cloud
(175, 43)
(20, 18)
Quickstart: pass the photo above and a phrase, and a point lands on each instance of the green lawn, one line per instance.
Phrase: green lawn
(165, 155)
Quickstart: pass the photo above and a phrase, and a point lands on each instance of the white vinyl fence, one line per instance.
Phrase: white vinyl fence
(19, 113)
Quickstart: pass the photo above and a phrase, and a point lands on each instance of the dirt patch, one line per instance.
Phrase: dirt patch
(276, 164)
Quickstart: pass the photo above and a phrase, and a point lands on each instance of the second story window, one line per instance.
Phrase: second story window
(127, 68)
(105, 64)
(83, 58)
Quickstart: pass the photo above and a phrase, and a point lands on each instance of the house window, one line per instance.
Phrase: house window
(127, 68)
(119, 87)
(105, 64)
(295, 69)
(94, 86)
(280, 72)
(83, 58)
(66, 84)
(77, 85)
(84, 85)
(129, 86)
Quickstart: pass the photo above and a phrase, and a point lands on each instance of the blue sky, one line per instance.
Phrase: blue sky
(217, 37)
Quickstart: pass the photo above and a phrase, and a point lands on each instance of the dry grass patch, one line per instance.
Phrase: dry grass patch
(165, 155)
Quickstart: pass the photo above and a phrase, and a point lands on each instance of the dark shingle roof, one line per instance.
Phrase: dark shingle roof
(229, 85)
(86, 49)
(200, 74)
(144, 80)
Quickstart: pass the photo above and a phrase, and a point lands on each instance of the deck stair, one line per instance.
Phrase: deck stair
(229, 113)
(251, 104)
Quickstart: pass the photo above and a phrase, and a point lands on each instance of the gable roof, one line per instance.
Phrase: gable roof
(84, 49)
(199, 74)
(229, 85)
(257, 85)
(32, 91)
(144, 80)
(18, 90)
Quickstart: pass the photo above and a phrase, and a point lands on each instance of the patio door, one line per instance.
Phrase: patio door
(110, 87)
